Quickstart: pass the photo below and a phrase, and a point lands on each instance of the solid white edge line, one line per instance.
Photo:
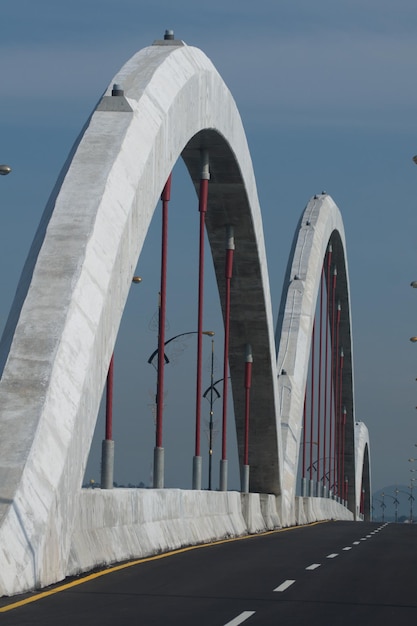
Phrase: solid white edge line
(285, 585)
(240, 618)
(313, 566)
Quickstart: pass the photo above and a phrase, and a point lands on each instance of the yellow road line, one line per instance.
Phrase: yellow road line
(116, 568)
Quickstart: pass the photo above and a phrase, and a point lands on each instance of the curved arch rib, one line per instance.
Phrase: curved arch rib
(63, 324)
(320, 224)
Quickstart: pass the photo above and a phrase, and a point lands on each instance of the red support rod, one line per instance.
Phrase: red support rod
(312, 400)
(165, 197)
(230, 248)
(248, 382)
(109, 400)
(304, 435)
(319, 381)
(332, 375)
(326, 362)
(336, 403)
(202, 207)
(343, 452)
(341, 434)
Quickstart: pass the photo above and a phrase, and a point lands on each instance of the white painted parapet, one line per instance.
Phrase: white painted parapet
(321, 509)
(252, 514)
(269, 511)
(122, 524)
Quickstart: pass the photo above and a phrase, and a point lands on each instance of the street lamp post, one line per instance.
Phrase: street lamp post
(396, 503)
(214, 395)
(209, 333)
(308, 490)
(212, 389)
(413, 284)
(410, 497)
(158, 475)
(383, 505)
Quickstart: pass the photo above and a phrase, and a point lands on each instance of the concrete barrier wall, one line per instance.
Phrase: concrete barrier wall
(122, 524)
(318, 509)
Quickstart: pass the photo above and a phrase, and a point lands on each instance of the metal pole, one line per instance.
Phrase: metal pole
(202, 207)
(210, 333)
(230, 247)
(158, 462)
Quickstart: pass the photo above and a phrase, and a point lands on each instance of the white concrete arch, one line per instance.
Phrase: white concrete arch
(65, 317)
(320, 224)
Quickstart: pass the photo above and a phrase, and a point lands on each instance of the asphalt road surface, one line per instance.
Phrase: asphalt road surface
(333, 573)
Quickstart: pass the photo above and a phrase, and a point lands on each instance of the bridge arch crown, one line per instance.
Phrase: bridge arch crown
(320, 226)
(64, 321)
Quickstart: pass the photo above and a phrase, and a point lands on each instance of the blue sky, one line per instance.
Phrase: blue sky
(327, 95)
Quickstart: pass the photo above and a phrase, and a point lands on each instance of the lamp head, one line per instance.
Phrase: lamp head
(5, 169)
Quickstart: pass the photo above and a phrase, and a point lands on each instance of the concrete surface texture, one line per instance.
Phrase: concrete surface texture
(161, 520)
(320, 224)
(169, 102)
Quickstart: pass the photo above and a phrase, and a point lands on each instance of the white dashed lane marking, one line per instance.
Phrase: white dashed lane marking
(285, 585)
(240, 618)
